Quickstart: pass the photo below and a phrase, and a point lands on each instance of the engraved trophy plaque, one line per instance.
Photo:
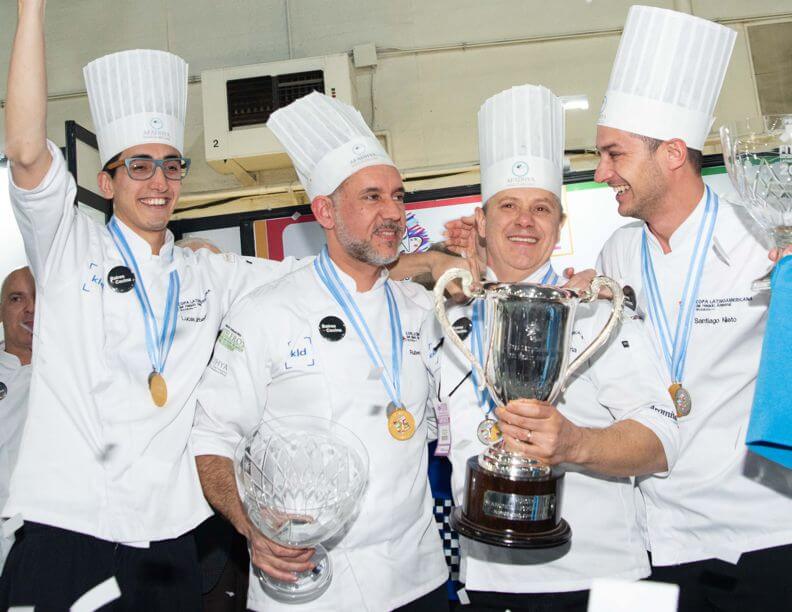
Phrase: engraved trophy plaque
(512, 500)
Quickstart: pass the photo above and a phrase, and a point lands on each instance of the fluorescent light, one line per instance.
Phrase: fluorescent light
(578, 102)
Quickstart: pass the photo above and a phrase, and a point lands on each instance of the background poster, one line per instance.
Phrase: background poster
(591, 219)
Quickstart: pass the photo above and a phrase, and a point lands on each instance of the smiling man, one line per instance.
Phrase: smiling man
(613, 421)
(340, 342)
(718, 525)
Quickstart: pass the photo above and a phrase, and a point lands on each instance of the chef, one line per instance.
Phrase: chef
(718, 525)
(124, 327)
(341, 342)
(614, 420)
(17, 305)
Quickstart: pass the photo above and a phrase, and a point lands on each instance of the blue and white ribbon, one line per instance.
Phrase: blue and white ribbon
(674, 345)
(158, 342)
(550, 277)
(391, 379)
(485, 400)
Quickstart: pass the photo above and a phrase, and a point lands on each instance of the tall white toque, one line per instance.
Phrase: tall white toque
(137, 97)
(327, 141)
(667, 75)
(521, 141)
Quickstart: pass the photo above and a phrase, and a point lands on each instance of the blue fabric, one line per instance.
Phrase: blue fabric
(770, 427)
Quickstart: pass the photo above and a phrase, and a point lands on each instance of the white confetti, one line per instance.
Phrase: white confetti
(463, 596)
(610, 595)
(296, 216)
(102, 594)
(11, 525)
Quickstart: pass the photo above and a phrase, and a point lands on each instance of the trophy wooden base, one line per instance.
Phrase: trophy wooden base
(513, 511)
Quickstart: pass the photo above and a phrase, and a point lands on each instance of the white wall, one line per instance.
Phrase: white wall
(438, 59)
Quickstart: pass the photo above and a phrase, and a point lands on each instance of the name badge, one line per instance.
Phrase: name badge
(443, 447)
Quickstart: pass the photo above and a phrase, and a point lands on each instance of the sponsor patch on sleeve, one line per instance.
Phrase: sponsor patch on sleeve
(231, 339)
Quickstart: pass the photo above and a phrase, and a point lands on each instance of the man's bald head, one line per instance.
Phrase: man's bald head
(21, 277)
(17, 309)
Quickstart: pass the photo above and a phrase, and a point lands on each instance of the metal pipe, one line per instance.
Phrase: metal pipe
(188, 199)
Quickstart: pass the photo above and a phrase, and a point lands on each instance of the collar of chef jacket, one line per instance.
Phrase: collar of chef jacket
(725, 234)
(536, 277)
(350, 283)
(8, 360)
(142, 249)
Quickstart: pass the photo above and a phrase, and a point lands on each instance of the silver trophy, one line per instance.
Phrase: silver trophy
(301, 479)
(512, 500)
(757, 153)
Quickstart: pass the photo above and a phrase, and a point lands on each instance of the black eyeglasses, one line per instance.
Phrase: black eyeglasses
(143, 168)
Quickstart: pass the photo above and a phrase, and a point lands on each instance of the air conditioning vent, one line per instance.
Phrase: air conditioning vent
(252, 101)
(293, 86)
(238, 101)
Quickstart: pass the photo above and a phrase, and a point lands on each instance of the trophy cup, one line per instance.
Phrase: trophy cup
(301, 479)
(512, 500)
(757, 153)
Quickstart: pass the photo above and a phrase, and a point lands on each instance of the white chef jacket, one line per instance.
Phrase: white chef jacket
(619, 383)
(720, 500)
(97, 455)
(280, 365)
(13, 410)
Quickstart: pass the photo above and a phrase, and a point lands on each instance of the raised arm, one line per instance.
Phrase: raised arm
(26, 106)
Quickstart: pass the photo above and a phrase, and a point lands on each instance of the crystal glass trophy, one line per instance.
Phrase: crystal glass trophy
(757, 153)
(510, 499)
(301, 479)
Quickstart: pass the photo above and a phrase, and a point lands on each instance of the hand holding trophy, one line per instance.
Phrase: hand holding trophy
(510, 499)
(301, 479)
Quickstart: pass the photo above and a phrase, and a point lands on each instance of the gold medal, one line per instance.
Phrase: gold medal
(401, 424)
(488, 432)
(681, 398)
(158, 389)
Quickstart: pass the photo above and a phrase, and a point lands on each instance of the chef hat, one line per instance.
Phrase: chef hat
(327, 141)
(667, 75)
(137, 97)
(521, 141)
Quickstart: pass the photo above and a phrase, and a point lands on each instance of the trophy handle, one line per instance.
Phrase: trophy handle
(440, 311)
(589, 295)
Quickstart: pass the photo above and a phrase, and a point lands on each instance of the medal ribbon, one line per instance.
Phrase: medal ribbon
(477, 343)
(550, 277)
(391, 379)
(158, 344)
(675, 347)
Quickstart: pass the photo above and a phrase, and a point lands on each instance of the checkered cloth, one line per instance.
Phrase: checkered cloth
(442, 513)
